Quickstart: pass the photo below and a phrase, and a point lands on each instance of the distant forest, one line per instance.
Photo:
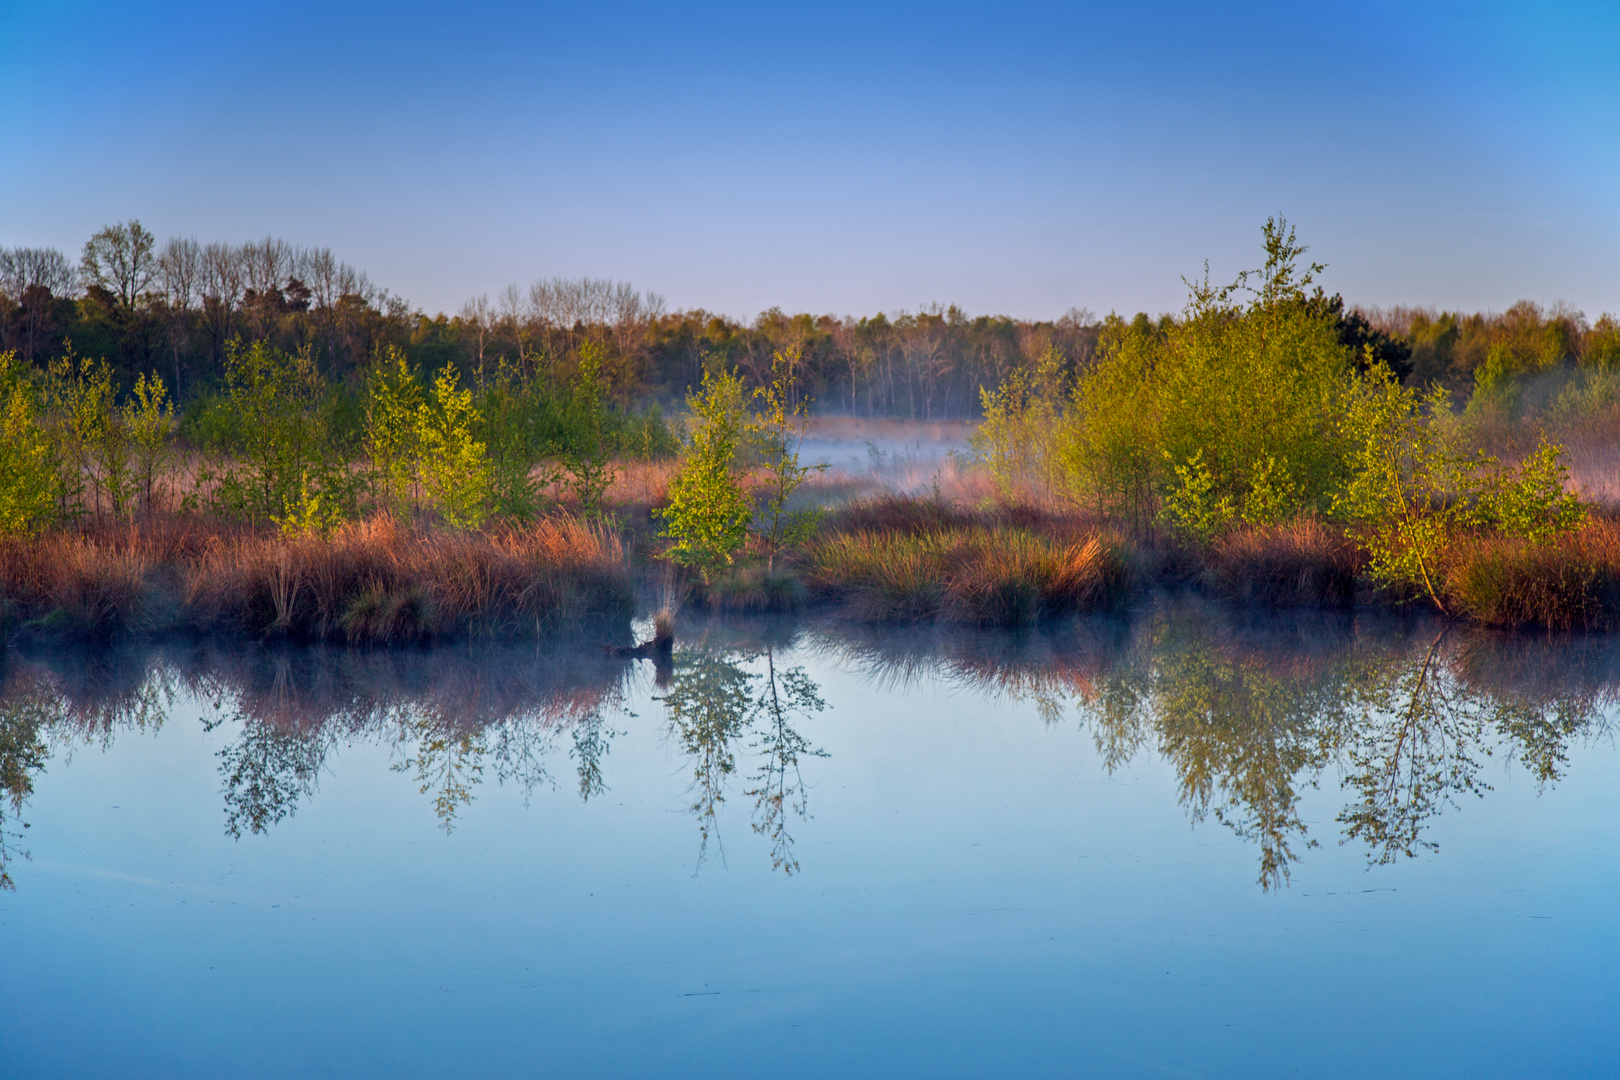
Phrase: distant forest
(173, 307)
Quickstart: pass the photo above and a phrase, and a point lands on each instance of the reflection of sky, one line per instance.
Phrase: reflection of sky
(977, 897)
(1018, 158)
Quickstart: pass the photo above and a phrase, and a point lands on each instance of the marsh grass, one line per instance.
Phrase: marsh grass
(1570, 582)
(1302, 563)
(756, 588)
(371, 582)
(975, 575)
(889, 559)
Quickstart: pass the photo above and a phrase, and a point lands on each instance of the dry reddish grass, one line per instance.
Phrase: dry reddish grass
(1571, 582)
(892, 513)
(373, 581)
(998, 575)
(1302, 563)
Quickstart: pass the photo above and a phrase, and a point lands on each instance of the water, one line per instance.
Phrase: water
(1186, 844)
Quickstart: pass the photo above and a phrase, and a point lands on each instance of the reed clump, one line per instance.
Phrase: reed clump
(756, 588)
(1301, 563)
(1567, 582)
(981, 576)
(95, 587)
(377, 582)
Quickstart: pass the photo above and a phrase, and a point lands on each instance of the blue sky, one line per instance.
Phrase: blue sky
(845, 158)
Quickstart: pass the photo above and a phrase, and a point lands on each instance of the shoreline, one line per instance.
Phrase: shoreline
(890, 560)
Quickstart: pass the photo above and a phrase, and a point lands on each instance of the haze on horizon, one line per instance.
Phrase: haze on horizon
(1019, 159)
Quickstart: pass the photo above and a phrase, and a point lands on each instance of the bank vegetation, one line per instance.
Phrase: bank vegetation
(304, 462)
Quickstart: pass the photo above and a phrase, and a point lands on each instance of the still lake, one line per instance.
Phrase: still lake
(1186, 843)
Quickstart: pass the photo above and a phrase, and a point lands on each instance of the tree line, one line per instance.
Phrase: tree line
(174, 306)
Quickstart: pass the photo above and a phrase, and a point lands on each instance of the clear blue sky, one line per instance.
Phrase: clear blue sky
(1017, 158)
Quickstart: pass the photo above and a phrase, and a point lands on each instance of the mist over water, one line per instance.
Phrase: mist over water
(1185, 841)
(865, 454)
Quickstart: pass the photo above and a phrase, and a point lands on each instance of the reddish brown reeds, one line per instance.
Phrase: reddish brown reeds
(997, 576)
(376, 581)
(89, 586)
(1301, 563)
(1570, 582)
(373, 581)
(903, 514)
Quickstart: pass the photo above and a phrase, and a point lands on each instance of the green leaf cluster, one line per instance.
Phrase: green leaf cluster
(280, 464)
(1020, 440)
(27, 469)
(454, 464)
(1228, 413)
(778, 431)
(707, 516)
(1413, 491)
(588, 454)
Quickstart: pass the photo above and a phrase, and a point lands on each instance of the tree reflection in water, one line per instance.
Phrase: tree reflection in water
(713, 701)
(1252, 714)
(87, 699)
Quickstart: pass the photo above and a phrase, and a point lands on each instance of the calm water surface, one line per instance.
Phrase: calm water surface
(1186, 844)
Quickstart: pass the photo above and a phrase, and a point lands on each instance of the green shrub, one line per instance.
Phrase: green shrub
(27, 471)
(779, 432)
(1020, 440)
(280, 465)
(707, 517)
(1533, 502)
(1410, 491)
(148, 416)
(588, 453)
(393, 400)
(454, 465)
(1230, 411)
(1414, 494)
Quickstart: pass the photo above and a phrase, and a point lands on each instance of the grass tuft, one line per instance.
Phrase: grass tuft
(1571, 582)
(998, 576)
(1302, 563)
(754, 588)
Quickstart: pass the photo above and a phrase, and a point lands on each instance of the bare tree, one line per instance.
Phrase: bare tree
(24, 268)
(510, 319)
(221, 287)
(180, 274)
(121, 260)
(266, 264)
(479, 317)
(32, 279)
